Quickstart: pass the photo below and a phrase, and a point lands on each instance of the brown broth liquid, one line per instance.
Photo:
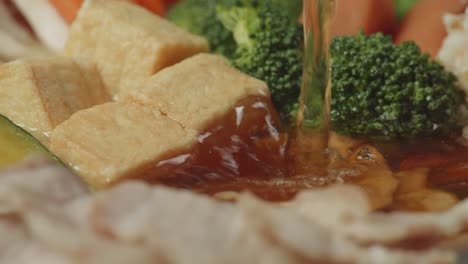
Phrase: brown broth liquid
(244, 150)
(446, 159)
(248, 150)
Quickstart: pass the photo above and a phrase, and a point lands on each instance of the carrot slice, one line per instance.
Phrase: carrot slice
(68, 9)
(372, 16)
(168, 3)
(423, 23)
(388, 21)
(156, 6)
(369, 15)
(351, 16)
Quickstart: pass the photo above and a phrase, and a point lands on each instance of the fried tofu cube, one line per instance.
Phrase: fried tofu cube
(128, 43)
(197, 90)
(115, 141)
(38, 94)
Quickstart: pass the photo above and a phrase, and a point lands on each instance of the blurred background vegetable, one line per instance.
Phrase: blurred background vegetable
(368, 15)
(403, 6)
(423, 23)
(69, 8)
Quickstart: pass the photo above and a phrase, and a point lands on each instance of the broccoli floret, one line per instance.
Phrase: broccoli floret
(390, 91)
(199, 17)
(269, 47)
(292, 8)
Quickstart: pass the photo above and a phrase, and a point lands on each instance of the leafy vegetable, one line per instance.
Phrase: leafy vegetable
(390, 91)
(427, 14)
(69, 9)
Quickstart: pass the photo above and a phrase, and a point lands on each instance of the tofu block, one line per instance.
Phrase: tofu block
(197, 90)
(127, 42)
(38, 94)
(115, 141)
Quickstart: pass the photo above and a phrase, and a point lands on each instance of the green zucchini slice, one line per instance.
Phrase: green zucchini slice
(16, 144)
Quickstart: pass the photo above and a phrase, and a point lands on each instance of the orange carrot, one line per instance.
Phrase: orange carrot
(372, 16)
(388, 21)
(156, 6)
(170, 2)
(368, 15)
(68, 9)
(423, 23)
